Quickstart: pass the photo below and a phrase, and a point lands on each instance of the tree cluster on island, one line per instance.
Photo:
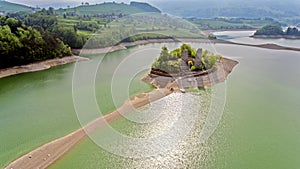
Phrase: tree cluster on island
(185, 59)
(272, 30)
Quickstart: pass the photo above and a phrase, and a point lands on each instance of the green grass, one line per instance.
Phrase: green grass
(109, 33)
(154, 26)
(84, 33)
(105, 8)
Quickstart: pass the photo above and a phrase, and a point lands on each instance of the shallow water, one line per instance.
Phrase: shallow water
(38, 107)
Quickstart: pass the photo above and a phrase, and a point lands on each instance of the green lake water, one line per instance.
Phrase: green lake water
(259, 128)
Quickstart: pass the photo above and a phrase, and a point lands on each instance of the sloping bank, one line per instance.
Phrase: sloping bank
(125, 45)
(38, 66)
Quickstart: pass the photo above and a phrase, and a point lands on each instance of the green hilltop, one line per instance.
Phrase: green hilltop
(108, 8)
(8, 7)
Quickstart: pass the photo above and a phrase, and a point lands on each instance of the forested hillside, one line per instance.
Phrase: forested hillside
(231, 8)
(20, 44)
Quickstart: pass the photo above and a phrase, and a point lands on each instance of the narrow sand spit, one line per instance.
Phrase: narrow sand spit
(45, 155)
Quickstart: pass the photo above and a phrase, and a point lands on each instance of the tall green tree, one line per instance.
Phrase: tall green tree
(20, 44)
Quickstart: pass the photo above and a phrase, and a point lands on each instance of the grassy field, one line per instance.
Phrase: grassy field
(131, 28)
(107, 8)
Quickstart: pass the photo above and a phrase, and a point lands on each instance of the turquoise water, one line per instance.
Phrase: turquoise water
(259, 128)
(38, 107)
(35, 109)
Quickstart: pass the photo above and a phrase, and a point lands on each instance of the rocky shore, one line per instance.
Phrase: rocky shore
(275, 36)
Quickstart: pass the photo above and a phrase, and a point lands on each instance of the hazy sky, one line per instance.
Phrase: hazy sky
(56, 3)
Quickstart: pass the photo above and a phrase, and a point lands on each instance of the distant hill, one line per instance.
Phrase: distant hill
(110, 8)
(144, 6)
(8, 7)
(231, 8)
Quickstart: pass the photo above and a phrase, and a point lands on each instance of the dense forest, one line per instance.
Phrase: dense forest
(21, 44)
(28, 36)
(46, 21)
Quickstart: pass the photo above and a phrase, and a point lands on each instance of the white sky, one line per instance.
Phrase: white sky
(56, 3)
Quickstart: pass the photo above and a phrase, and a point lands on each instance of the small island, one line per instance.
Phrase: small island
(271, 31)
(186, 67)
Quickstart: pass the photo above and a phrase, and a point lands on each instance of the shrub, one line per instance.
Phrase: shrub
(190, 63)
(209, 61)
(193, 68)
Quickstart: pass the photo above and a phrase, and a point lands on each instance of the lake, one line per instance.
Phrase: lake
(244, 37)
(259, 126)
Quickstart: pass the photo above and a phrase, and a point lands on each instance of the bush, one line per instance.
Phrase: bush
(191, 51)
(176, 52)
(190, 63)
(196, 68)
(193, 68)
(209, 61)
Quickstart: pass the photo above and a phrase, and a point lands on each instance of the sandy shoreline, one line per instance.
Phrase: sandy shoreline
(43, 65)
(45, 155)
(121, 46)
(276, 37)
(124, 46)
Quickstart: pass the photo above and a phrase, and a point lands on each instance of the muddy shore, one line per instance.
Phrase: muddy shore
(43, 65)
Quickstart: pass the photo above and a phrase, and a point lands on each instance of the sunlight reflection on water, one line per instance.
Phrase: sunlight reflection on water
(188, 152)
